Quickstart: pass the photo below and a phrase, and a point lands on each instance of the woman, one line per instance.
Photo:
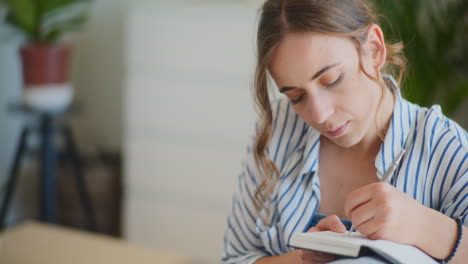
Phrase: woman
(320, 151)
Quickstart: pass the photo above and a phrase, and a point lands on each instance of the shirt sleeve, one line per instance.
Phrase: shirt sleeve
(242, 243)
(455, 204)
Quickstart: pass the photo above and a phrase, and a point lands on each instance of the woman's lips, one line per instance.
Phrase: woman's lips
(339, 131)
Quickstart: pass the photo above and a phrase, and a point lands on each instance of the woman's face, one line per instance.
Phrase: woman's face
(320, 75)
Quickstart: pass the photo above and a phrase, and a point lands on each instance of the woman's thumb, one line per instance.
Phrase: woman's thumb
(333, 223)
(338, 226)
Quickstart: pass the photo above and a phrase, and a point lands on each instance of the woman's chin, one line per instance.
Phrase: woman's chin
(345, 141)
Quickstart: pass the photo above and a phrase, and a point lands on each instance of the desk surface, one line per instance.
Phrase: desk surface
(39, 243)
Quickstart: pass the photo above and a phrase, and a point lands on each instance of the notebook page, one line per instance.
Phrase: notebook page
(399, 252)
(395, 252)
(327, 241)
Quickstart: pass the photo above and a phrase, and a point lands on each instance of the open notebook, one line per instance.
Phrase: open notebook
(352, 245)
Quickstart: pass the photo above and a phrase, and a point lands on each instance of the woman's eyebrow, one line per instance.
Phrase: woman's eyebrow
(322, 71)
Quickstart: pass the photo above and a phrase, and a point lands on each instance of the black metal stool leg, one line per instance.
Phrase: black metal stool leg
(48, 164)
(13, 176)
(79, 176)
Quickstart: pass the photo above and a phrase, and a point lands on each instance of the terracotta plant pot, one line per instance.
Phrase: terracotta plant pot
(46, 76)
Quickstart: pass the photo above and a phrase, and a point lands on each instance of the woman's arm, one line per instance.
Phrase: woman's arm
(439, 231)
(378, 211)
(438, 235)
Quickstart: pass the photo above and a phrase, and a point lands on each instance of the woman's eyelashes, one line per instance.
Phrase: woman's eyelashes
(297, 100)
(333, 84)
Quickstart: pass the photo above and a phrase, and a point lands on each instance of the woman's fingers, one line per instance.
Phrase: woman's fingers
(331, 223)
(362, 195)
(313, 229)
(369, 227)
(364, 213)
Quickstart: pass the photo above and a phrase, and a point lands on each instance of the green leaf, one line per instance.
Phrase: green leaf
(65, 18)
(435, 39)
(41, 20)
(53, 36)
(51, 5)
(59, 29)
(23, 14)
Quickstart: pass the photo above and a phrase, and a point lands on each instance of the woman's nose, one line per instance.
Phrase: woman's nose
(320, 109)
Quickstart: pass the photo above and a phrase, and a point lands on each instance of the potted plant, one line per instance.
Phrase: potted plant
(435, 36)
(45, 57)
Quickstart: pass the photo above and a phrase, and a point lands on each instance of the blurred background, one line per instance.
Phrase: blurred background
(160, 108)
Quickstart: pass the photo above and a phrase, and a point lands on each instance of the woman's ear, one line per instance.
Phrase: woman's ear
(375, 49)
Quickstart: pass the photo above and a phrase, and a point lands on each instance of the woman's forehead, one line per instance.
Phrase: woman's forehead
(302, 53)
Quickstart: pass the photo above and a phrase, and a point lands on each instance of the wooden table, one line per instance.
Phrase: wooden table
(38, 243)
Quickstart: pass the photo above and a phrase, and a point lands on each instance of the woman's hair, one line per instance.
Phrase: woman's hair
(347, 18)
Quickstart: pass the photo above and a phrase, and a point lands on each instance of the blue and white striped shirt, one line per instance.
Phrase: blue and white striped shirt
(434, 171)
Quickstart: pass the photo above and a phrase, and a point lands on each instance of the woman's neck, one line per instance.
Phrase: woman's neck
(375, 136)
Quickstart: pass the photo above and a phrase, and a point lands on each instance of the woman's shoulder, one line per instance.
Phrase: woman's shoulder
(442, 130)
(435, 125)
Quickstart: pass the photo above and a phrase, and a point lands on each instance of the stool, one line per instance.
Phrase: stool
(49, 125)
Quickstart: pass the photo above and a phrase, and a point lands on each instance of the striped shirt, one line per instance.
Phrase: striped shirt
(434, 171)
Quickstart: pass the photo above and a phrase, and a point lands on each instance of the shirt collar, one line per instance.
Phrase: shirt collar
(398, 131)
(394, 141)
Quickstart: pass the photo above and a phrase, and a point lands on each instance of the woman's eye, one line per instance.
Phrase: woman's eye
(335, 83)
(297, 100)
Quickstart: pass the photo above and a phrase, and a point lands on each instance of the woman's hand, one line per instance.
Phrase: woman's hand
(302, 256)
(380, 211)
(331, 223)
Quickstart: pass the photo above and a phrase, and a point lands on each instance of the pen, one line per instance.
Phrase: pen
(386, 177)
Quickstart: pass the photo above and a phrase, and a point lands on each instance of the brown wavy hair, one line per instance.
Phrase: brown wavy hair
(347, 18)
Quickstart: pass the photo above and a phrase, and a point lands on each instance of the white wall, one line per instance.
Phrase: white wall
(188, 114)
